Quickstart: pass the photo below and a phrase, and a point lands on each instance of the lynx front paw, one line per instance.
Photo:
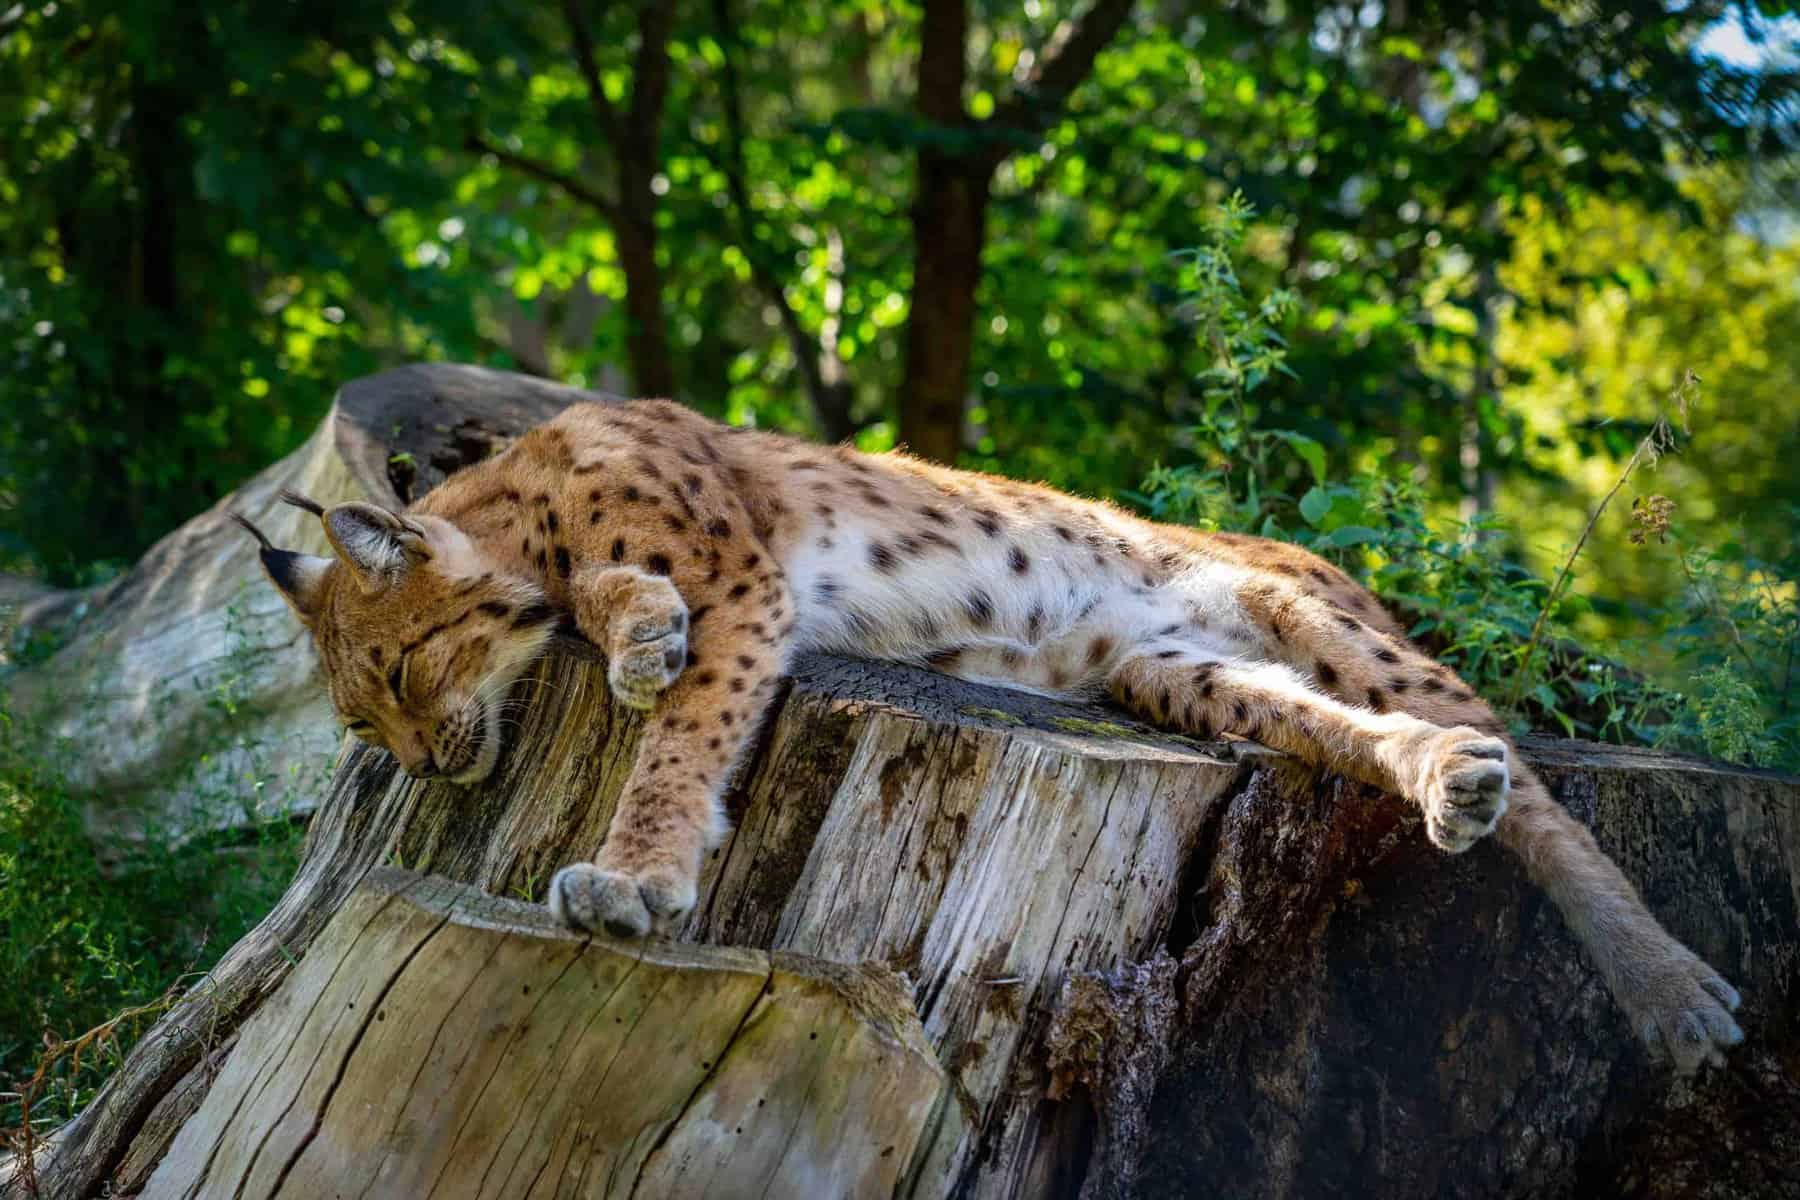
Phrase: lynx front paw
(595, 899)
(647, 652)
(1464, 784)
(1683, 1013)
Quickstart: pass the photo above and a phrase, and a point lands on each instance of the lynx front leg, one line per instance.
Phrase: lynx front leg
(1457, 775)
(646, 873)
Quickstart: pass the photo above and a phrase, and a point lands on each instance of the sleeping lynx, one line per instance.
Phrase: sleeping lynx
(700, 557)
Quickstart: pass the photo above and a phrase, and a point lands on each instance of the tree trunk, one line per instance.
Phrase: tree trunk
(949, 227)
(1128, 963)
(647, 338)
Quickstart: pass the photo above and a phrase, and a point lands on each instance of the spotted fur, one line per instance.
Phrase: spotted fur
(702, 557)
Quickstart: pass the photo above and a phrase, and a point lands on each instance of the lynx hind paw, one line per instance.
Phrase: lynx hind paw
(1466, 787)
(598, 900)
(1684, 1016)
(649, 653)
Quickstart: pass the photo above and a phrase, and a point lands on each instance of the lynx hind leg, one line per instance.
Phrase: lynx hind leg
(1458, 776)
(1451, 759)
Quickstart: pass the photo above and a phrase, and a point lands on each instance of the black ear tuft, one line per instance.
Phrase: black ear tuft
(289, 496)
(298, 576)
(252, 530)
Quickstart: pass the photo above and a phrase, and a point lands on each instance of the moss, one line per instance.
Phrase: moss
(991, 714)
(1109, 729)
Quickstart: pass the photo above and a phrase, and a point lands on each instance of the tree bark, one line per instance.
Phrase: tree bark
(1143, 966)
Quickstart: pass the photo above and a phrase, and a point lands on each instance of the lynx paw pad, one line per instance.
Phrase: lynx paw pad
(598, 900)
(1466, 781)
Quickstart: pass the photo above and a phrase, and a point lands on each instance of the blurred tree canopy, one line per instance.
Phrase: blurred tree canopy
(1509, 229)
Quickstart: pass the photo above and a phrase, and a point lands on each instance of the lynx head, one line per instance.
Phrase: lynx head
(419, 634)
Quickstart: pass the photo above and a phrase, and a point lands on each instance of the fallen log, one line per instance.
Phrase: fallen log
(1143, 965)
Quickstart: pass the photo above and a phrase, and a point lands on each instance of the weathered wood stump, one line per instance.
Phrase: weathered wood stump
(1143, 967)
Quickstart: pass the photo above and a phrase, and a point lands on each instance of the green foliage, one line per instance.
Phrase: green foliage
(192, 259)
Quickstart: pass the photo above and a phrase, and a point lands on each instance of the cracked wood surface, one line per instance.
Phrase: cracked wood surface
(440, 1042)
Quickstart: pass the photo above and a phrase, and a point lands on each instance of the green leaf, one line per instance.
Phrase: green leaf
(1351, 535)
(1308, 449)
(1315, 506)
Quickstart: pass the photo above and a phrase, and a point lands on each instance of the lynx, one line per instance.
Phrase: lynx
(699, 558)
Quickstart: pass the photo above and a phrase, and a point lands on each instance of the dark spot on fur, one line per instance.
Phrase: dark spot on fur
(563, 564)
(1326, 672)
(1386, 655)
(658, 564)
(1166, 654)
(618, 550)
(881, 558)
(1017, 560)
(1377, 701)
(1431, 684)
(988, 521)
(980, 608)
(1098, 649)
(933, 513)
(534, 614)
(632, 495)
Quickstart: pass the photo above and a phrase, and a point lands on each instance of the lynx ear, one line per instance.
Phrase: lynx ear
(298, 577)
(378, 546)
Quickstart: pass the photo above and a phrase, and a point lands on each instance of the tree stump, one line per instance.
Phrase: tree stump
(1073, 956)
